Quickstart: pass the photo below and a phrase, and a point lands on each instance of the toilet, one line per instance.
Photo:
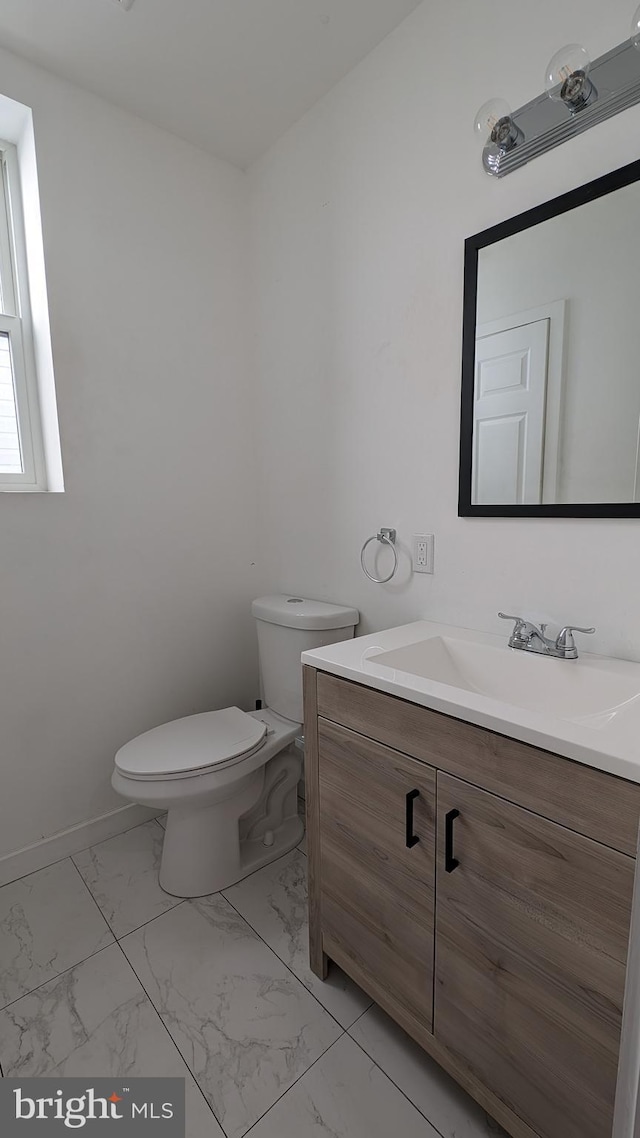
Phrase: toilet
(228, 778)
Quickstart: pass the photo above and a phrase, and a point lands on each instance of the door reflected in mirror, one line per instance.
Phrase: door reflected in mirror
(551, 373)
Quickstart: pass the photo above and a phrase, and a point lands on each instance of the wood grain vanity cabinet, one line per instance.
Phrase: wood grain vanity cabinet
(377, 812)
(480, 890)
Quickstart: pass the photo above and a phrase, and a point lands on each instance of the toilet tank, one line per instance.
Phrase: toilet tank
(287, 627)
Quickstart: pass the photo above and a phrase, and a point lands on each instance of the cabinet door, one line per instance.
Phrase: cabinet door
(377, 848)
(531, 943)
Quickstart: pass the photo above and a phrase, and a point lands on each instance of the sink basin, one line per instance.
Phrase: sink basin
(587, 691)
(586, 709)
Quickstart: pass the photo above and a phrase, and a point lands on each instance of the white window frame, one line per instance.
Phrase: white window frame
(16, 322)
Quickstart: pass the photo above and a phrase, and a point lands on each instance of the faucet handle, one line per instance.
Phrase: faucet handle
(520, 622)
(565, 639)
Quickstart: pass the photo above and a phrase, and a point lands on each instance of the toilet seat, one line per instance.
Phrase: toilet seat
(192, 746)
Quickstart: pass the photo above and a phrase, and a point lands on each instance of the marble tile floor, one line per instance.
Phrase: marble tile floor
(102, 973)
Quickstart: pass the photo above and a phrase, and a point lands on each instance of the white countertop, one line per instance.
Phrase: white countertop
(608, 739)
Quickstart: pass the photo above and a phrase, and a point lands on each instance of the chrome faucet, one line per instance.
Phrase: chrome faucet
(529, 638)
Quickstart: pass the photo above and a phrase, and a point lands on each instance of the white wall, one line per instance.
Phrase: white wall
(359, 217)
(589, 257)
(124, 602)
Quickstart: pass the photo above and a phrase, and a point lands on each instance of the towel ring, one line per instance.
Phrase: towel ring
(387, 537)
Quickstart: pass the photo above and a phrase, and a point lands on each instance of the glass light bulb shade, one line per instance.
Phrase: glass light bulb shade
(634, 34)
(572, 60)
(488, 117)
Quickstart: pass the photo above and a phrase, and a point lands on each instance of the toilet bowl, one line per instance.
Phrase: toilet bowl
(202, 851)
(229, 779)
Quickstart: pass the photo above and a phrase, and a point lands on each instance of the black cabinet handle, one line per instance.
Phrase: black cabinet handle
(450, 862)
(412, 839)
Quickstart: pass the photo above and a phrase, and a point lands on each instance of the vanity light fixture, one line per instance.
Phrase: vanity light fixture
(634, 35)
(496, 130)
(578, 94)
(567, 78)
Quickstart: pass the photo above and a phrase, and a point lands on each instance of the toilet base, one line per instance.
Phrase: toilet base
(201, 850)
(255, 854)
(209, 848)
(184, 880)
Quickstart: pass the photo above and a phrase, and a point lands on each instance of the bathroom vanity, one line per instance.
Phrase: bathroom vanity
(472, 821)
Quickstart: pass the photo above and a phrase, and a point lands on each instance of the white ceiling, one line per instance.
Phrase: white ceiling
(229, 75)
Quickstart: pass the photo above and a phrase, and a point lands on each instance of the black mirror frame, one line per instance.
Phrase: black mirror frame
(625, 176)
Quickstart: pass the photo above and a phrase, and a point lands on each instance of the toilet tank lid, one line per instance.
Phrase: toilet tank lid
(297, 612)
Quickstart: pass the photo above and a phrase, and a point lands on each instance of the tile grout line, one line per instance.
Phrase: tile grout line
(70, 856)
(241, 880)
(343, 1031)
(97, 952)
(24, 876)
(64, 971)
(197, 1086)
(113, 944)
(253, 873)
(178, 901)
(92, 897)
(347, 1032)
(58, 976)
(157, 917)
(221, 893)
(182, 1057)
(149, 997)
(368, 1056)
(116, 939)
(287, 966)
(285, 1093)
(392, 1081)
(362, 1014)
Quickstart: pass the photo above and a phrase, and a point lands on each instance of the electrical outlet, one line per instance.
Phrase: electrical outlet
(423, 552)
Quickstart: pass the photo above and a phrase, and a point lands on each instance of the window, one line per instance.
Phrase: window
(21, 447)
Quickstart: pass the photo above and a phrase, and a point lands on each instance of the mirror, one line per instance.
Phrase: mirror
(550, 422)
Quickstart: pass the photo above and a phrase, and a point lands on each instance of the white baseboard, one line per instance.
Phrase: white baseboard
(58, 846)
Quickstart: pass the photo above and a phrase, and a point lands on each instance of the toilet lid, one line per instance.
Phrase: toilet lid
(191, 745)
